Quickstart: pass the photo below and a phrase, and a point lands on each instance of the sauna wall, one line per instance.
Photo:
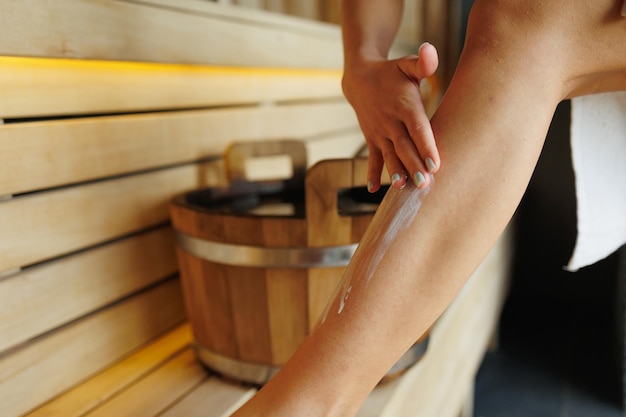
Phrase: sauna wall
(109, 108)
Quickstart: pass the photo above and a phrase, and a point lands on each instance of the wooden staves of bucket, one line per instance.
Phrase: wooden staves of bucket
(260, 261)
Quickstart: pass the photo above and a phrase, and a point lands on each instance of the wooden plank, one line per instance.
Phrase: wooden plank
(154, 393)
(378, 399)
(256, 4)
(275, 6)
(209, 307)
(190, 31)
(45, 225)
(287, 294)
(44, 297)
(259, 17)
(39, 155)
(411, 29)
(458, 341)
(304, 9)
(339, 145)
(252, 329)
(110, 382)
(45, 87)
(287, 291)
(331, 11)
(213, 398)
(50, 365)
(326, 226)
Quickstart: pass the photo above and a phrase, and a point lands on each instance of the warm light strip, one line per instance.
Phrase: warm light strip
(40, 86)
(13, 62)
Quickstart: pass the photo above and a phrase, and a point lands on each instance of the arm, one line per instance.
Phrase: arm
(385, 94)
(521, 59)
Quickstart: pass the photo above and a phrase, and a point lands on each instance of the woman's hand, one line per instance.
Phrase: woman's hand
(386, 98)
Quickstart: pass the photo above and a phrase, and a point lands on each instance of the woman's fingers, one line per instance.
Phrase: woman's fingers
(375, 164)
(386, 98)
(419, 155)
(395, 167)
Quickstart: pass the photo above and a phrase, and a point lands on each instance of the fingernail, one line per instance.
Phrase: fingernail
(370, 186)
(419, 179)
(430, 164)
(395, 178)
(421, 46)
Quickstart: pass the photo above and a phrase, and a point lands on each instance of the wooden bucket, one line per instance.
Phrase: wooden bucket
(259, 261)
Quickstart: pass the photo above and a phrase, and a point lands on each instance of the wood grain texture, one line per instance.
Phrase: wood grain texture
(411, 28)
(92, 393)
(42, 298)
(209, 306)
(39, 155)
(48, 87)
(50, 365)
(154, 393)
(288, 318)
(457, 346)
(215, 396)
(45, 225)
(248, 289)
(325, 226)
(185, 31)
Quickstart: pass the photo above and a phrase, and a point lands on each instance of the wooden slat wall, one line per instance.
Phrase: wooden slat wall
(91, 151)
(180, 31)
(330, 11)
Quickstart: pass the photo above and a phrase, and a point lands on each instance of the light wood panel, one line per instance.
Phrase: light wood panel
(305, 9)
(105, 385)
(154, 393)
(45, 225)
(331, 11)
(190, 31)
(219, 398)
(40, 155)
(47, 296)
(45, 87)
(54, 363)
(41, 226)
(457, 344)
(276, 6)
(411, 28)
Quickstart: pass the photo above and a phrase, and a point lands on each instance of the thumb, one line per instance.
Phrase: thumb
(428, 60)
(422, 66)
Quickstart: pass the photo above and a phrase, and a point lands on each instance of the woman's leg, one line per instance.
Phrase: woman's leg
(521, 59)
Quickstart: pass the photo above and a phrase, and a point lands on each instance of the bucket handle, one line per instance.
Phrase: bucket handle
(323, 182)
(237, 154)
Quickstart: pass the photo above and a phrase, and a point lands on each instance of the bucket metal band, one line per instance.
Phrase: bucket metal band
(267, 257)
(244, 371)
(259, 373)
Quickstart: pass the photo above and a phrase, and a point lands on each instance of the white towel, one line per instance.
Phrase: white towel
(598, 138)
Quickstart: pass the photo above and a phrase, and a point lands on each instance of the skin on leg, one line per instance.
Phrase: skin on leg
(522, 58)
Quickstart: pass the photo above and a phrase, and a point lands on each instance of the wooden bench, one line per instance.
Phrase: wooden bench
(108, 109)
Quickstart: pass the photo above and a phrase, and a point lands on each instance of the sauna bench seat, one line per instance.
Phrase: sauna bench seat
(165, 379)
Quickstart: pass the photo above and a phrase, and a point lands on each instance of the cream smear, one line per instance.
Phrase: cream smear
(398, 212)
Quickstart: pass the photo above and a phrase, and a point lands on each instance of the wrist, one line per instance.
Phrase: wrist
(356, 58)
